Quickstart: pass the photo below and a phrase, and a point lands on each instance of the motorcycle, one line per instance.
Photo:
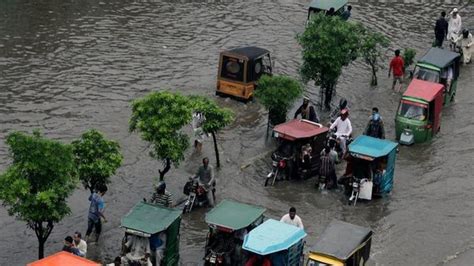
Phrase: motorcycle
(197, 195)
(279, 164)
(215, 258)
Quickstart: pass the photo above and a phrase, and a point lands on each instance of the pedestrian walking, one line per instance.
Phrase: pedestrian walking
(397, 67)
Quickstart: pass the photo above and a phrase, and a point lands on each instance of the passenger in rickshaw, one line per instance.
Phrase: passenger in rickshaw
(306, 157)
(343, 128)
(157, 246)
(307, 111)
(415, 112)
(379, 171)
(138, 251)
(446, 77)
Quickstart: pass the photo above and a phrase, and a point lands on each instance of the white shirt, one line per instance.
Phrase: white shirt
(139, 246)
(343, 127)
(455, 24)
(296, 221)
(82, 246)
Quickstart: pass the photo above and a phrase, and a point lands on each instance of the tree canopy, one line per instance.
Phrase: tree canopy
(159, 118)
(215, 118)
(96, 158)
(278, 93)
(38, 181)
(371, 49)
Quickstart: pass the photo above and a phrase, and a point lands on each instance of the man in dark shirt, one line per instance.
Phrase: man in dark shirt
(307, 111)
(441, 30)
(205, 174)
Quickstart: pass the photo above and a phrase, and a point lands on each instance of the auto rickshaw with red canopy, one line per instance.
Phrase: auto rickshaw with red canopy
(300, 143)
(418, 118)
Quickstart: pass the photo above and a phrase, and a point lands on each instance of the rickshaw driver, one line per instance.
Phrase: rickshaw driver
(343, 128)
(205, 174)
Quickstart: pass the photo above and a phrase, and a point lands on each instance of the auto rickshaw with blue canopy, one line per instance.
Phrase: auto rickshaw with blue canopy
(240, 69)
(440, 66)
(317, 6)
(418, 118)
(276, 242)
(341, 244)
(370, 167)
(154, 224)
(228, 222)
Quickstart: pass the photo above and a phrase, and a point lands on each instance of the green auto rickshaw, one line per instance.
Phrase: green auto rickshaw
(418, 117)
(440, 66)
(317, 6)
(155, 229)
(228, 223)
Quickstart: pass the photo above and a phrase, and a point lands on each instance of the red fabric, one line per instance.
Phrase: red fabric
(397, 66)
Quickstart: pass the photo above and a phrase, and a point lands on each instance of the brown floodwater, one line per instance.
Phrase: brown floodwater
(67, 66)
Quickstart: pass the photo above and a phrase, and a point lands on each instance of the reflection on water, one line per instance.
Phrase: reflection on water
(67, 66)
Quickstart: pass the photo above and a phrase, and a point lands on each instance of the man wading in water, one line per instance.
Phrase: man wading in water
(307, 111)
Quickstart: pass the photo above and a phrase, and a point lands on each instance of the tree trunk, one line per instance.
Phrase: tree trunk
(329, 88)
(42, 234)
(374, 77)
(216, 149)
(165, 170)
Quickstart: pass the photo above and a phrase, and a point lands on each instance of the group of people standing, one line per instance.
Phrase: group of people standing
(452, 31)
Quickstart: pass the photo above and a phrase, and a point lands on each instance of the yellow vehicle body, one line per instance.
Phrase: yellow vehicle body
(319, 258)
(240, 69)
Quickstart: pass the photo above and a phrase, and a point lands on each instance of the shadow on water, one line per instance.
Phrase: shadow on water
(67, 66)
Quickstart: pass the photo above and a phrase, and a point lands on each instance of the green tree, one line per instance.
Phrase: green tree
(159, 118)
(371, 45)
(409, 56)
(328, 44)
(216, 118)
(96, 158)
(277, 94)
(35, 186)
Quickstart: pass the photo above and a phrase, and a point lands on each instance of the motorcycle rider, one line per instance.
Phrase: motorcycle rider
(307, 111)
(375, 127)
(161, 196)
(454, 27)
(206, 179)
(343, 128)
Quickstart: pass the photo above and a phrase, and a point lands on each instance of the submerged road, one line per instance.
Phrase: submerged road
(67, 66)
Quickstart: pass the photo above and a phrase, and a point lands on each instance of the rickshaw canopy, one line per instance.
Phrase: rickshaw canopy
(250, 52)
(340, 240)
(327, 4)
(63, 258)
(150, 218)
(234, 215)
(372, 147)
(423, 90)
(438, 57)
(299, 129)
(272, 236)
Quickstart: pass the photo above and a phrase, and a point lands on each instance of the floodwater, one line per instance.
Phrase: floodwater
(67, 66)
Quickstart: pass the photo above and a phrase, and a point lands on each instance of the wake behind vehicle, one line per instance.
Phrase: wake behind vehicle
(370, 168)
(437, 65)
(150, 223)
(317, 6)
(418, 118)
(277, 242)
(228, 222)
(341, 244)
(240, 69)
(300, 142)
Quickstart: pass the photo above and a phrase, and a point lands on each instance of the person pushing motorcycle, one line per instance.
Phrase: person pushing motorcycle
(205, 175)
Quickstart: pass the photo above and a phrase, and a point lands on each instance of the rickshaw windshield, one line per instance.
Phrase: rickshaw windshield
(427, 74)
(232, 68)
(412, 110)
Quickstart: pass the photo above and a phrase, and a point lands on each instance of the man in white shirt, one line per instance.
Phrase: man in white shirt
(344, 128)
(454, 26)
(139, 250)
(80, 244)
(292, 218)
